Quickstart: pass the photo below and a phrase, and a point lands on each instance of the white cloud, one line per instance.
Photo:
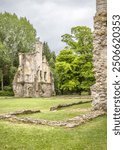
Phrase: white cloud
(52, 18)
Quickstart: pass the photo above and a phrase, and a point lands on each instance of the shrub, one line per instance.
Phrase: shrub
(6, 93)
(7, 88)
(84, 93)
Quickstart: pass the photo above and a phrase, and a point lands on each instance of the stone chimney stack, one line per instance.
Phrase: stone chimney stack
(99, 90)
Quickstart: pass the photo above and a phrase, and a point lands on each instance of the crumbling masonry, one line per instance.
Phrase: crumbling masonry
(99, 90)
(33, 77)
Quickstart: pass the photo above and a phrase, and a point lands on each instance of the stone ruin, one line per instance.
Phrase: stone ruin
(33, 77)
(99, 90)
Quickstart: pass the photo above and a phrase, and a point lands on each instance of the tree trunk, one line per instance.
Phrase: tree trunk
(2, 81)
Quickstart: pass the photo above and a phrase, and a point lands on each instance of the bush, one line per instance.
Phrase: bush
(7, 88)
(6, 93)
(84, 93)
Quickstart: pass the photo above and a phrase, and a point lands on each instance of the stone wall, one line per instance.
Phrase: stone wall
(99, 90)
(33, 77)
(70, 123)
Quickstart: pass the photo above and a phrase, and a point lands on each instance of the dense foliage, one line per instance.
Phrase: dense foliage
(74, 64)
(16, 35)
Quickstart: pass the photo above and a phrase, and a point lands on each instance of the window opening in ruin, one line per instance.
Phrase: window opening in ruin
(41, 75)
(45, 73)
(50, 76)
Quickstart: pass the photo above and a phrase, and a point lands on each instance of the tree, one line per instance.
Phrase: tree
(64, 69)
(52, 60)
(81, 40)
(46, 51)
(74, 63)
(50, 55)
(4, 63)
(16, 35)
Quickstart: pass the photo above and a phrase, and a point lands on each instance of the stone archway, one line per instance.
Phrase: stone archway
(99, 90)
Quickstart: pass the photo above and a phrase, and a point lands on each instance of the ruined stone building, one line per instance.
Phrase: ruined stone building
(99, 90)
(33, 77)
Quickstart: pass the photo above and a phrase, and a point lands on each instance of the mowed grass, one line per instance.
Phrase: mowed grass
(43, 104)
(14, 104)
(62, 114)
(15, 136)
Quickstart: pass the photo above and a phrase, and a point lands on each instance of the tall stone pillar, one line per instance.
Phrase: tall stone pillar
(99, 90)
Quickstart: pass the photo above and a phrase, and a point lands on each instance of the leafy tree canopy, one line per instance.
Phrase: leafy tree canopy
(16, 35)
(74, 64)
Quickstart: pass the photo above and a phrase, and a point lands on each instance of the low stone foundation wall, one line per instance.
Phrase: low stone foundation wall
(68, 105)
(16, 113)
(70, 123)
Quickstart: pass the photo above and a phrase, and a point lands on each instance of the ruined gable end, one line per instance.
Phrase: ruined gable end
(33, 77)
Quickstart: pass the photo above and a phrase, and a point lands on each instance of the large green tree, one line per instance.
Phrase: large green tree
(74, 64)
(16, 35)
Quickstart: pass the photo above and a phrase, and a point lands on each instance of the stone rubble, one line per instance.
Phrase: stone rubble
(67, 105)
(70, 123)
(24, 112)
(21, 112)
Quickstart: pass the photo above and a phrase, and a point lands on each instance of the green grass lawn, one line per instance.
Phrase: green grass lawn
(15, 136)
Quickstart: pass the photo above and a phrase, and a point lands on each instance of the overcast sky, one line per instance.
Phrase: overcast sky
(52, 18)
